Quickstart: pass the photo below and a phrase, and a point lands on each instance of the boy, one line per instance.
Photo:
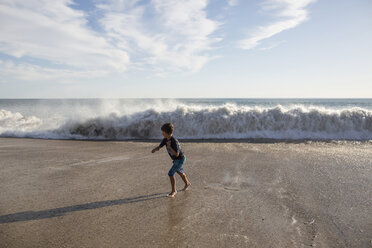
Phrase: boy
(176, 154)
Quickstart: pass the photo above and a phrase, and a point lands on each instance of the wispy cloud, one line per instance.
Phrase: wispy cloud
(165, 36)
(177, 37)
(271, 45)
(54, 32)
(292, 11)
(53, 39)
(27, 71)
(232, 2)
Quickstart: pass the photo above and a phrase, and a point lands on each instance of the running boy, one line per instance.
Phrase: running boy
(176, 154)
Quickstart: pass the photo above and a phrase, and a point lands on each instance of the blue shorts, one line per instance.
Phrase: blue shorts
(177, 166)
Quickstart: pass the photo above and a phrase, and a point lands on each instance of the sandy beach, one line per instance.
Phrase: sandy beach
(65, 193)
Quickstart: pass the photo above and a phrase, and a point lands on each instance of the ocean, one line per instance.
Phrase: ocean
(252, 119)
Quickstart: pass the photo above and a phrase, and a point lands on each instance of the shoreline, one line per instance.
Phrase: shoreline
(75, 193)
(211, 140)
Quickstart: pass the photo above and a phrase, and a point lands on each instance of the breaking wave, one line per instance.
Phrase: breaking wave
(228, 121)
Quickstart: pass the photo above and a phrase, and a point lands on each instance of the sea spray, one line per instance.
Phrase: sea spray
(226, 121)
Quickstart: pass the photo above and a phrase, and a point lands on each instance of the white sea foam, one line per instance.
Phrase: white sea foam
(16, 122)
(227, 121)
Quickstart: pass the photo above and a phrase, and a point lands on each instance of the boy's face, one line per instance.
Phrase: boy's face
(165, 135)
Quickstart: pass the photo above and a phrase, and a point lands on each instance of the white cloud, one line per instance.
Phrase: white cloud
(232, 2)
(293, 12)
(54, 32)
(26, 71)
(177, 37)
(271, 45)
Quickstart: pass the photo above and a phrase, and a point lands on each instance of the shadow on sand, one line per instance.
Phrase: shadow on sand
(50, 213)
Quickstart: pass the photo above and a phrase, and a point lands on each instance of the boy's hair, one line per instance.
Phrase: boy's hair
(168, 128)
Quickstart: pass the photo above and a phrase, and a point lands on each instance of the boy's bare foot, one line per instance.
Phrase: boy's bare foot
(186, 187)
(172, 194)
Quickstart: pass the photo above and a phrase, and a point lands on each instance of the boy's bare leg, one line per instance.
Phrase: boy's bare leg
(173, 183)
(186, 181)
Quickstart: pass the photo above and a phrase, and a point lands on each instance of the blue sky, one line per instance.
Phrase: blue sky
(185, 48)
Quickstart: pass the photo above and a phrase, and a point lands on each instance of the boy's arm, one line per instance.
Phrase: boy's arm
(156, 149)
(159, 146)
(174, 148)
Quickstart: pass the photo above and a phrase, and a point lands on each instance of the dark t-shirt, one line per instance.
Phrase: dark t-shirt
(175, 146)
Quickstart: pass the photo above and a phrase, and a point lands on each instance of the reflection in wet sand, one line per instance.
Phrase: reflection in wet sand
(176, 214)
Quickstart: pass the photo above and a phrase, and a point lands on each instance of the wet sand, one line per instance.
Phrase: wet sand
(59, 193)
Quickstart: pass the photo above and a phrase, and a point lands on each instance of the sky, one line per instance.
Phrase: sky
(185, 49)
